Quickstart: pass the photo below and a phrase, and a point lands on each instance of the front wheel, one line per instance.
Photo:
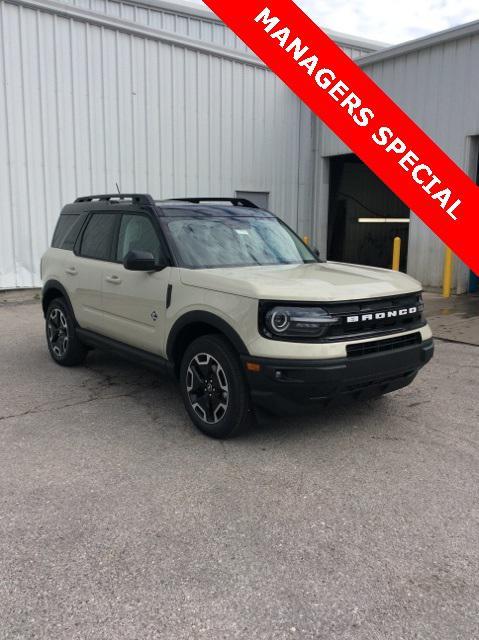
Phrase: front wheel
(213, 387)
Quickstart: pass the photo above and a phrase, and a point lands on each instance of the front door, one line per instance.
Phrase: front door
(134, 302)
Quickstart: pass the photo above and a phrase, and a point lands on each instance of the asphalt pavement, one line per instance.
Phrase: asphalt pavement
(455, 318)
(119, 521)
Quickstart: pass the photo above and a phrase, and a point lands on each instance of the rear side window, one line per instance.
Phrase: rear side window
(67, 230)
(99, 235)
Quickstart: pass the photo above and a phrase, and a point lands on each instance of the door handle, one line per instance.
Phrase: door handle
(71, 271)
(113, 279)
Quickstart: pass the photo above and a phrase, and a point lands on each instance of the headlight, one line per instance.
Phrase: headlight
(297, 322)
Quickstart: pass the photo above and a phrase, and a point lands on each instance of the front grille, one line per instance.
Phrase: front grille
(357, 319)
(385, 306)
(378, 346)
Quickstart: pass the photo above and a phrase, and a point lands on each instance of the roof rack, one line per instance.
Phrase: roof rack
(236, 202)
(139, 198)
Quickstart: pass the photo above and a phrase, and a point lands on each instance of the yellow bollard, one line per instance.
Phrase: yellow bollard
(396, 253)
(306, 239)
(447, 275)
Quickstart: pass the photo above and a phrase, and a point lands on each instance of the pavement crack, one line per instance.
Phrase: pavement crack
(66, 405)
(454, 341)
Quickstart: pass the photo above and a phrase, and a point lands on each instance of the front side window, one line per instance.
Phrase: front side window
(205, 242)
(137, 233)
(98, 236)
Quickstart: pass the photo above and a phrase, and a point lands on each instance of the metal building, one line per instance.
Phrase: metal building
(160, 96)
(434, 79)
(153, 96)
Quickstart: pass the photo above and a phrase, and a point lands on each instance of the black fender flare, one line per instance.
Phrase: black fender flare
(204, 317)
(55, 285)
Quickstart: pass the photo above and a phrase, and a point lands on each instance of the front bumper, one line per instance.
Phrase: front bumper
(283, 386)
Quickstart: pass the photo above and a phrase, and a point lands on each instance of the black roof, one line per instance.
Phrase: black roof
(210, 206)
(211, 210)
(236, 202)
(136, 198)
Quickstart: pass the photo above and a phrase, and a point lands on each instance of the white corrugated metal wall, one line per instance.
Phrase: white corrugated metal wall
(166, 16)
(436, 85)
(86, 105)
(196, 22)
(88, 100)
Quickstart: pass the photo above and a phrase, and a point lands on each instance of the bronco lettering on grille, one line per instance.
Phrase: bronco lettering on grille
(382, 315)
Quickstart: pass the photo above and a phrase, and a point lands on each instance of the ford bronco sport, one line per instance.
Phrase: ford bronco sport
(227, 298)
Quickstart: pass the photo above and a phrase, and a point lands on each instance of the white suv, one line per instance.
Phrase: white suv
(227, 298)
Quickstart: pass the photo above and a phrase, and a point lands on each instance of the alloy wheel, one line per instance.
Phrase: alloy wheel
(207, 388)
(58, 332)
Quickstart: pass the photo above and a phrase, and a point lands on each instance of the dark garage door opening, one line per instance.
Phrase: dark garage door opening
(364, 216)
(474, 282)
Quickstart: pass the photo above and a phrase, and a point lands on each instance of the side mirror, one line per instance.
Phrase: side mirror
(139, 261)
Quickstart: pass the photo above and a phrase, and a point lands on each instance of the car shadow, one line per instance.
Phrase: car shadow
(159, 394)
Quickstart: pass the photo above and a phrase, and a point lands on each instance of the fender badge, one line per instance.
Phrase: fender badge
(154, 316)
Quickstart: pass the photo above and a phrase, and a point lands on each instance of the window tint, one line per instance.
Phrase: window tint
(137, 234)
(67, 230)
(98, 236)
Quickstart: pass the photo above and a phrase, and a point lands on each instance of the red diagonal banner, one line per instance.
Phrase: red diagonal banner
(363, 116)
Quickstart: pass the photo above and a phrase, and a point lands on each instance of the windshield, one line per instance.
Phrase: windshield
(205, 242)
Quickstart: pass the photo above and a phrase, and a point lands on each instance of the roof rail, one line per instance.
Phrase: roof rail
(236, 202)
(139, 198)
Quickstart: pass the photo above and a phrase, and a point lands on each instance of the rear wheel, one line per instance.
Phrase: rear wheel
(63, 343)
(213, 387)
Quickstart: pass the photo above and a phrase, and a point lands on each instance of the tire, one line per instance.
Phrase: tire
(213, 387)
(63, 343)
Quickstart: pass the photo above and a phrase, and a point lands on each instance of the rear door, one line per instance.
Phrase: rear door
(84, 268)
(134, 302)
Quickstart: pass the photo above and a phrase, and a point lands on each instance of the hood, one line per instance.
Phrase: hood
(324, 282)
